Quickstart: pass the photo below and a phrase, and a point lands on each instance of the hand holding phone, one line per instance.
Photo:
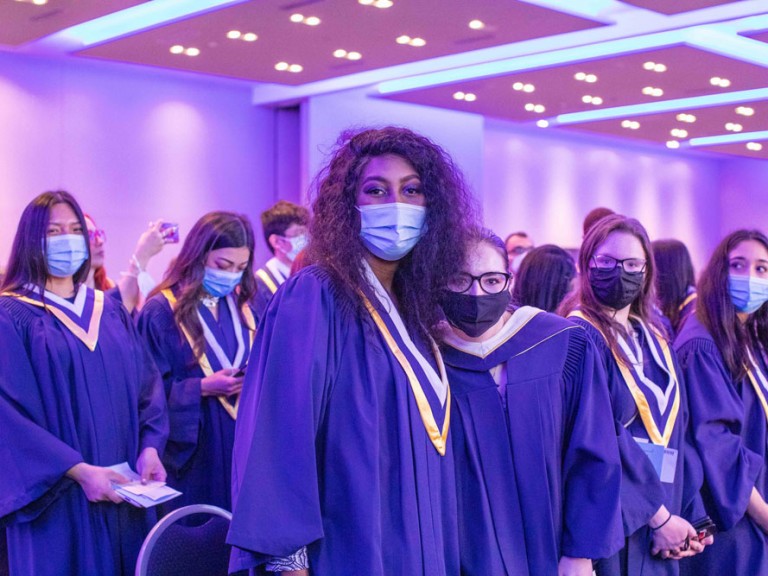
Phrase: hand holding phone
(170, 232)
(704, 527)
(240, 373)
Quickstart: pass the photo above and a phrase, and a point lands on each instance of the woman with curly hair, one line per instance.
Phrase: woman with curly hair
(722, 350)
(661, 473)
(199, 327)
(342, 464)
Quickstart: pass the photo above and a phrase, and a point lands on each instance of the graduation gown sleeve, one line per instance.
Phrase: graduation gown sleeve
(171, 355)
(33, 458)
(276, 509)
(717, 420)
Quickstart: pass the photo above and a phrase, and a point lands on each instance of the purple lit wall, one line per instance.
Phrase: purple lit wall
(132, 145)
(744, 198)
(545, 184)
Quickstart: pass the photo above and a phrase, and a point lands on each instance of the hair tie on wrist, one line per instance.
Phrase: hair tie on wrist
(663, 523)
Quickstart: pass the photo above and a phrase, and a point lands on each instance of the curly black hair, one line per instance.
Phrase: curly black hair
(335, 242)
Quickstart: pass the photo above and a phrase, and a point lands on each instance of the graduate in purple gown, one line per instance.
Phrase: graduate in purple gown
(199, 328)
(538, 476)
(78, 393)
(722, 350)
(675, 282)
(342, 461)
(661, 474)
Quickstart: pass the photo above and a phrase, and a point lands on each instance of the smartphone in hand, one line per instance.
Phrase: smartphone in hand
(704, 527)
(170, 232)
(240, 373)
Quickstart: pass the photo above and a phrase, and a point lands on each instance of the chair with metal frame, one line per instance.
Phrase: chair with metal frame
(176, 545)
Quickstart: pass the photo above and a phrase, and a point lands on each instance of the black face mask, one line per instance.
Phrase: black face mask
(616, 288)
(473, 315)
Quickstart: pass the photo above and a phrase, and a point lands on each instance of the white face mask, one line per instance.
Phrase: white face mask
(390, 231)
(298, 243)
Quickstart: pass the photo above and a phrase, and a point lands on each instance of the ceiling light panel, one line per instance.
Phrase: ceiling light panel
(351, 26)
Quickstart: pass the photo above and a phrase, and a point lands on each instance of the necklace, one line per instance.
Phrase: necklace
(210, 302)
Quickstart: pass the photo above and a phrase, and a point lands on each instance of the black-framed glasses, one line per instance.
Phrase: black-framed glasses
(603, 262)
(94, 235)
(490, 282)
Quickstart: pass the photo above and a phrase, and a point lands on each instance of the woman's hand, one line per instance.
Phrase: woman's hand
(222, 383)
(149, 466)
(757, 510)
(574, 566)
(96, 482)
(150, 243)
(672, 536)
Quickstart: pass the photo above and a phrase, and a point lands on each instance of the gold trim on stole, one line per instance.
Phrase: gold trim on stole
(688, 299)
(640, 400)
(267, 280)
(438, 438)
(203, 361)
(91, 337)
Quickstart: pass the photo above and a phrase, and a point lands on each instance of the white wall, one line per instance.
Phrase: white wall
(132, 144)
(744, 198)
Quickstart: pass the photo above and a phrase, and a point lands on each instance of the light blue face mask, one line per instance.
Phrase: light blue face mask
(65, 254)
(390, 231)
(298, 243)
(747, 292)
(220, 283)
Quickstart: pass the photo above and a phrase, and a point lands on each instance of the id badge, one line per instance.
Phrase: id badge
(664, 460)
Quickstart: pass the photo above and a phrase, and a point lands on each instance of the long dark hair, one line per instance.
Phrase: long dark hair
(100, 278)
(585, 297)
(27, 263)
(185, 274)
(544, 278)
(335, 242)
(674, 277)
(716, 311)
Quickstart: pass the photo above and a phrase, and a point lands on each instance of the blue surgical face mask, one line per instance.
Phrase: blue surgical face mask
(391, 230)
(65, 254)
(298, 243)
(747, 292)
(220, 283)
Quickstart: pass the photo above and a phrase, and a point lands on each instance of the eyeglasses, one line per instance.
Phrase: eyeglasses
(94, 235)
(490, 282)
(603, 262)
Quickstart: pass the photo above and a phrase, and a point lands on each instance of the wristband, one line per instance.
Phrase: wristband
(663, 523)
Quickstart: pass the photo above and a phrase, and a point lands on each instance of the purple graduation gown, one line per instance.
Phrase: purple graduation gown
(642, 490)
(729, 430)
(540, 478)
(198, 457)
(61, 404)
(330, 449)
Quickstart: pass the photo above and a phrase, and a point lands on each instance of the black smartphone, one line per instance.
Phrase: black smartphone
(704, 527)
(240, 373)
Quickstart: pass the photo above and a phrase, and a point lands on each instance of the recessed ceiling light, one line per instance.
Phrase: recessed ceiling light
(683, 117)
(721, 82)
(250, 37)
(281, 66)
(312, 21)
(340, 53)
(673, 144)
(630, 124)
(542, 123)
(584, 77)
(233, 34)
(529, 88)
(458, 95)
(354, 56)
(295, 68)
(365, 2)
(403, 39)
(660, 68)
(594, 100)
(530, 106)
(177, 49)
(476, 24)
(654, 67)
(651, 91)
(679, 133)
(733, 127)
(469, 97)
(418, 42)
(537, 108)
(745, 111)
(192, 51)
(297, 18)
(754, 146)
(383, 3)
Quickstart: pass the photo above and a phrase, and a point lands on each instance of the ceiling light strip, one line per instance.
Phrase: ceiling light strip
(663, 106)
(728, 138)
(128, 21)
